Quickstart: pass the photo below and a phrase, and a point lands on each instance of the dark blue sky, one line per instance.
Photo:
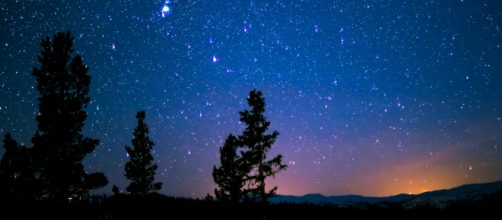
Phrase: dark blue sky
(400, 96)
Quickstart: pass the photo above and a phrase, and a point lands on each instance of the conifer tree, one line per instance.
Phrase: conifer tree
(258, 143)
(243, 174)
(115, 190)
(58, 144)
(231, 173)
(16, 171)
(140, 168)
(9, 166)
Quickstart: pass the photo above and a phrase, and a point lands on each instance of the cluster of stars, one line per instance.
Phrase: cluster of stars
(166, 9)
(405, 96)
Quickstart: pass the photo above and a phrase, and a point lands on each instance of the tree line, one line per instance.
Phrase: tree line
(52, 168)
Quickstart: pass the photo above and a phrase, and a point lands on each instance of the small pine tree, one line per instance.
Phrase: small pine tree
(9, 167)
(58, 144)
(231, 173)
(115, 190)
(258, 143)
(140, 168)
(16, 171)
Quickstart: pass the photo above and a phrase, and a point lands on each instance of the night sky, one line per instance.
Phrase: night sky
(369, 97)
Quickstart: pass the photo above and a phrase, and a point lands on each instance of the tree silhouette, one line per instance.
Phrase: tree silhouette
(58, 144)
(258, 143)
(251, 166)
(140, 168)
(16, 171)
(115, 190)
(230, 176)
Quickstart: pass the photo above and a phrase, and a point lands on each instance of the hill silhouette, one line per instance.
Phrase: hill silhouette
(437, 199)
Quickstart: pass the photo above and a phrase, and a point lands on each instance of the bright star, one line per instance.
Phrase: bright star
(215, 59)
(166, 9)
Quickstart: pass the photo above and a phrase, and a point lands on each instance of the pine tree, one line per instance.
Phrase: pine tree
(258, 143)
(244, 173)
(16, 171)
(140, 168)
(231, 173)
(58, 144)
(9, 167)
(115, 190)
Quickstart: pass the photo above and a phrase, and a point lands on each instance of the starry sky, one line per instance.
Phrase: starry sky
(370, 97)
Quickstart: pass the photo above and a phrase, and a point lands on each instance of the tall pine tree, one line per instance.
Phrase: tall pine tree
(243, 174)
(140, 168)
(58, 144)
(230, 176)
(258, 143)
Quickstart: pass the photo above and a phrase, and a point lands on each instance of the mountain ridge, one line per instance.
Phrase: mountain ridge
(437, 198)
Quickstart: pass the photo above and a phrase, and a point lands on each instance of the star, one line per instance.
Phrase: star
(165, 9)
(412, 84)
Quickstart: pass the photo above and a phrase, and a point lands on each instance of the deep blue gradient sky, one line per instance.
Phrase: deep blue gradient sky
(369, 97)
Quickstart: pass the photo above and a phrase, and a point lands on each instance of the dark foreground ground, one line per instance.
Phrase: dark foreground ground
(162, 207)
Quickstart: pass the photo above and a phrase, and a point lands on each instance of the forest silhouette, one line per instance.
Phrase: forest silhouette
(49, 178)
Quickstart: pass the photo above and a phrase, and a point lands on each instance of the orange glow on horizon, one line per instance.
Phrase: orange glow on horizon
(433, 172)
